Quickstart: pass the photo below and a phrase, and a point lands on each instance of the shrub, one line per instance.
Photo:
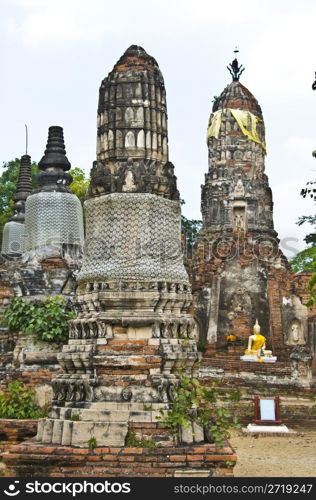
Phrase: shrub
(47, 320)
(195, 403)
(19, 402)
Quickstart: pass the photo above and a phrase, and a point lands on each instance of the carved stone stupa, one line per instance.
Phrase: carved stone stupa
(13, 231)
(133, 331)
(53, 219)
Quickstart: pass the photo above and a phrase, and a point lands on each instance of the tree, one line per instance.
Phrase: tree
(305, 260)
(80, 184)
(190, 229)
(309, 190)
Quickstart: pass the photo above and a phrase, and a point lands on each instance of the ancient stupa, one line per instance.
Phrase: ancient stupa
(14, 229)
(240, 274)
(53, 214)
(134, 330)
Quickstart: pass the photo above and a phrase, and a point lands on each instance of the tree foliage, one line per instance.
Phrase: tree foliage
(304, 260)
(311, 288)
(80, 183)
(190, 229)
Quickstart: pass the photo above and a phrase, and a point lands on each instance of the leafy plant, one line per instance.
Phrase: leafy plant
(92, 443)
(47, 320)
(19, 402)
(194, 403)
(311, 288)
(235, 395)
(132, 442)
(74, 418)
(230, 463)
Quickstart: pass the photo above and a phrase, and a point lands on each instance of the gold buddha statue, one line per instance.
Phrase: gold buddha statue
(256, 342)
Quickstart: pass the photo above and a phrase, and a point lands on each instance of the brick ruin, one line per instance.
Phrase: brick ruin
(239, 274)
(39, 260)
(138, 320)
(134, 328)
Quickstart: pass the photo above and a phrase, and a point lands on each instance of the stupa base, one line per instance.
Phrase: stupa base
(31, 459)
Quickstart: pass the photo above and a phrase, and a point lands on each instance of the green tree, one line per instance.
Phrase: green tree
(80, 183)
(190, 228)
(305, 260)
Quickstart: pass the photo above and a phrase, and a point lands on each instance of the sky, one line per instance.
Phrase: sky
(55, 53)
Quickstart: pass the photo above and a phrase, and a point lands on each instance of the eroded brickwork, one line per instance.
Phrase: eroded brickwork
(238, 272)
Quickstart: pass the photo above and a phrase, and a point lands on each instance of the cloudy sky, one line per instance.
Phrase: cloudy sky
(54, 54)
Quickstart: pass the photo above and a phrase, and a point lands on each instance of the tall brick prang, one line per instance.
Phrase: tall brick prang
(239, 272)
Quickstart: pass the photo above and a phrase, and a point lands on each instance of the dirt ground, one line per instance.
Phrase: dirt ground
(293, 456)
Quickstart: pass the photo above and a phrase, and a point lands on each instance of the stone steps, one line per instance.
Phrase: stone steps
(67, 432)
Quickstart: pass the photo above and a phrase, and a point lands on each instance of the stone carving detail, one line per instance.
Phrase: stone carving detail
(239, 191)
(46, 224)
(72, 390)
(126, 394)
(132, 237)
(295, 332)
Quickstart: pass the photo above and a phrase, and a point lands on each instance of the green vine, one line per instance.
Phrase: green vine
(19, 402)
(194, 403)
(47, 320)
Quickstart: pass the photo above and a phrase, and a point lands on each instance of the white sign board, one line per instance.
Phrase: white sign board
(267, 409)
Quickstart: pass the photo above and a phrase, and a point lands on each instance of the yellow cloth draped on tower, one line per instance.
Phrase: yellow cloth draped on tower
(246, 120)
(214, 124)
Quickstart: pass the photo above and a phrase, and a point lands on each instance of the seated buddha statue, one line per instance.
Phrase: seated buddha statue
(256, 342)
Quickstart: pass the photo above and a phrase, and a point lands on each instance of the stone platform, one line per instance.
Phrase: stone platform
(255, 359)
(268, 430)
(37, 460)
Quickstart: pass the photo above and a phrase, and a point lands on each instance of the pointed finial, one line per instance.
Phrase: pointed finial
(234, 69)
(26, 139)
(55, 153)
(23, 189)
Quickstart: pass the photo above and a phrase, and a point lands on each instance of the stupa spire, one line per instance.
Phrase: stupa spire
(55, 153)
(13, 232)
(54, 163)
(23, 188)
